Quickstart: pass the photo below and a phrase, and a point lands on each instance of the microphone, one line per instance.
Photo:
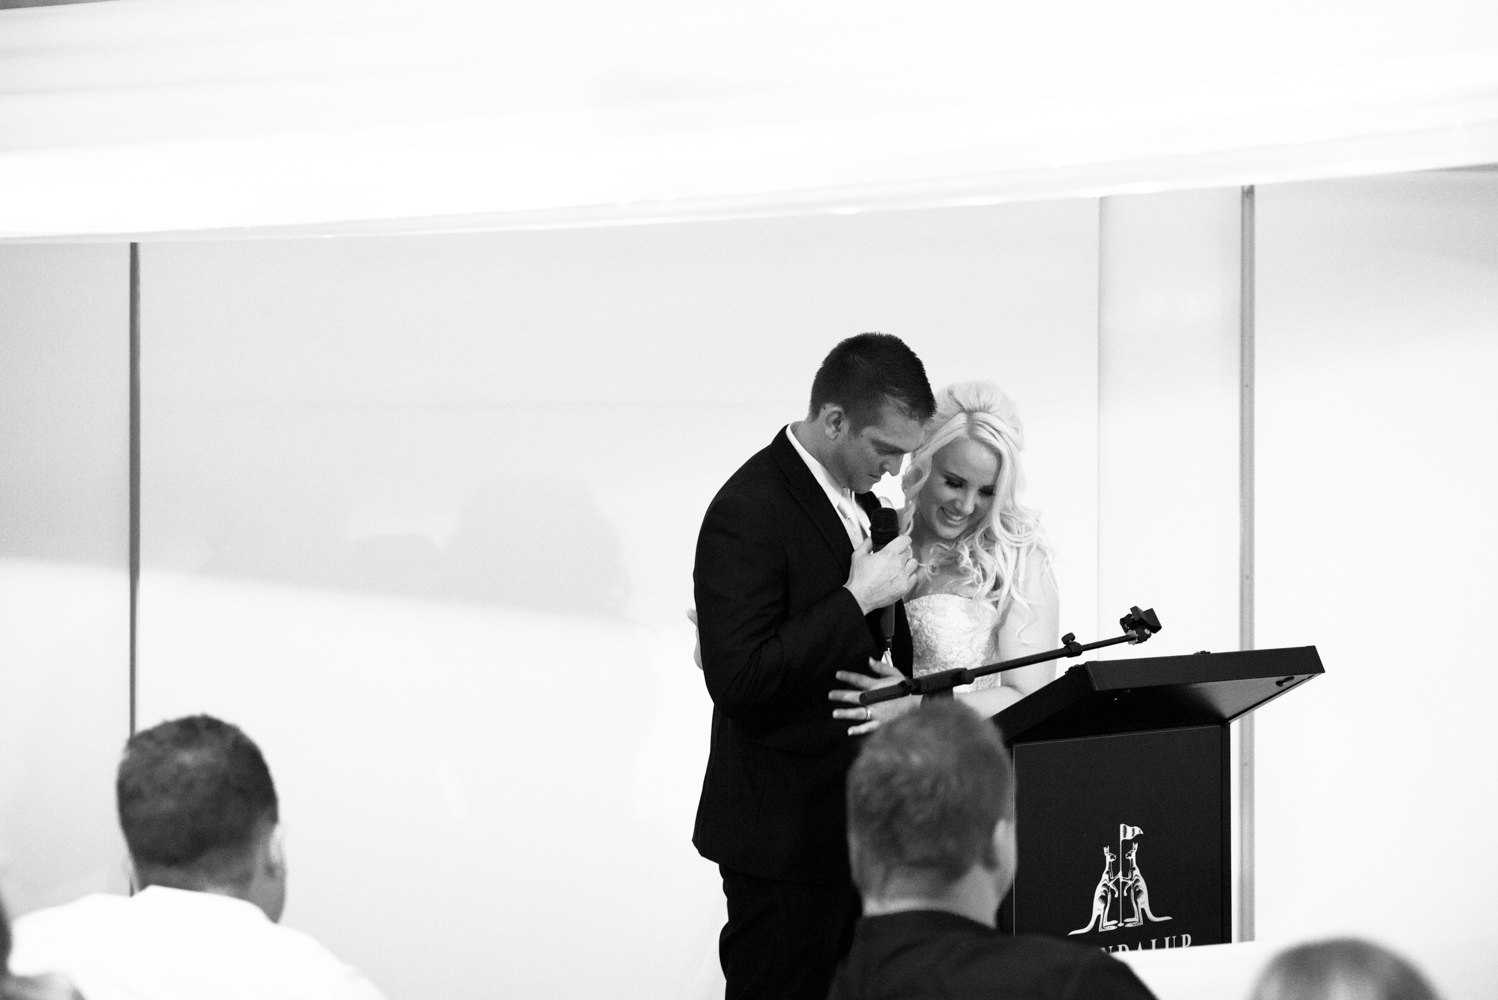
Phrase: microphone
(884, 527)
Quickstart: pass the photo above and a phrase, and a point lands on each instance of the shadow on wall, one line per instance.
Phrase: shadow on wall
(541, 544)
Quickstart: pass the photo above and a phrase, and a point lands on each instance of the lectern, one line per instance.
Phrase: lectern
(1123, 803)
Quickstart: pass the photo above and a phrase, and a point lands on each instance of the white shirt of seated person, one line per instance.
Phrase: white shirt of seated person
(178, 944)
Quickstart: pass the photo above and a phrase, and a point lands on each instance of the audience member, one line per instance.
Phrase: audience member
(931, 841)
(47, 986)
(202, 825)
(1341, 969)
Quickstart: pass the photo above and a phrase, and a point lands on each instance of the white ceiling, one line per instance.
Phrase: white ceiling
(212, 117)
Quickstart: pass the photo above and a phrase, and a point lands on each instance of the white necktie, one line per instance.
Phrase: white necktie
(848, 508)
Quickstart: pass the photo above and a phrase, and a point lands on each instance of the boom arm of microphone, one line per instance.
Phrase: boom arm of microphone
(1138, 626)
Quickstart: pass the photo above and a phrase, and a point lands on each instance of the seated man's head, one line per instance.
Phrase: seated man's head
(1341, 969)
(199, 812)
(931, 813)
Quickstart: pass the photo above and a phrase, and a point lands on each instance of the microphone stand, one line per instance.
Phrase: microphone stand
(1138, 626)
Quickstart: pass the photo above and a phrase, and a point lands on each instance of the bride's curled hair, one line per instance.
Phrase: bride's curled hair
(1009, 546)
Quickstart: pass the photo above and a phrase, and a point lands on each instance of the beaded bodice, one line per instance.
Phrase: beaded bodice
(949, 631)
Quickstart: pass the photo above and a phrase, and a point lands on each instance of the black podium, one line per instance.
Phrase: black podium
(1123, 795)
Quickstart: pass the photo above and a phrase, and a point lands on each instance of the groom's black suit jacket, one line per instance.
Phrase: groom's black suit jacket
(776, 623)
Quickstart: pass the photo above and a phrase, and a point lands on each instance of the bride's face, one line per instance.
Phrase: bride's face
(957, 495)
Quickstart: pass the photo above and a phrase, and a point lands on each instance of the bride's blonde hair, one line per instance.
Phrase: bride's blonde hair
(996, 555)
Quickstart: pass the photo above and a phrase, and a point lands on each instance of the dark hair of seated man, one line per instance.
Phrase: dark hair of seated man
(199, 812)
(1341, 967)
(930, 805)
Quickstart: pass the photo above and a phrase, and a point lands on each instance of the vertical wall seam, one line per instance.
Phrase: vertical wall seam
(1097, 470)
(134, 465)
(1246, 573)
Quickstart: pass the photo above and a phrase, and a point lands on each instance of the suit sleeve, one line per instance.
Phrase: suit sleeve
(758, 654)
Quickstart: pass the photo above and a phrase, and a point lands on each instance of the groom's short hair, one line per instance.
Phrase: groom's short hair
(863, 372)
(924, 797)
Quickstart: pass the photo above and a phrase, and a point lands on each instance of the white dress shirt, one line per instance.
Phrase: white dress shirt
(855, 520)
(171, 944)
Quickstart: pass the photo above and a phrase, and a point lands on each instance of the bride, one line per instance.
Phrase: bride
(985, 591)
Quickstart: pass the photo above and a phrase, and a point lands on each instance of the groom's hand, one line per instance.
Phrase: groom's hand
(879, 579)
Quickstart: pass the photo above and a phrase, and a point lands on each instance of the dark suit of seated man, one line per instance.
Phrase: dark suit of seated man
(931, 842)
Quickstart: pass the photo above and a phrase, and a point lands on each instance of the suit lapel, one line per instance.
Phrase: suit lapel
(810, 496)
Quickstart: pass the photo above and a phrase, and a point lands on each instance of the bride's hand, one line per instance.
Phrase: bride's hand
(868, 718)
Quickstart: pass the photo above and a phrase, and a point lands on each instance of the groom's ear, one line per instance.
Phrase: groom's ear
(833, 420)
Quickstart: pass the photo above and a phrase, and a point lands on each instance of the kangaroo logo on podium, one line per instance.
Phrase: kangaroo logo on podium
(1120, 886)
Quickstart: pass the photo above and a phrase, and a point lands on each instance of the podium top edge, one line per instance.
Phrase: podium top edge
(1202, 667)
(1158, 692)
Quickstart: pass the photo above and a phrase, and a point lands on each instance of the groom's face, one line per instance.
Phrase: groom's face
(860, 458)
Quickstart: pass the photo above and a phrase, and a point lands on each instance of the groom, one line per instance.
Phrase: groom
(788, 592)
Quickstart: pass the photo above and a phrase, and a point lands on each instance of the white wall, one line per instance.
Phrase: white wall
(419, 513)
(1377, 349)
(64, 568)
(1169, 457)
(350, 441)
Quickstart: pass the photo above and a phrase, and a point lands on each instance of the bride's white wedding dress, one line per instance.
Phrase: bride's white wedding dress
(949, 631)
